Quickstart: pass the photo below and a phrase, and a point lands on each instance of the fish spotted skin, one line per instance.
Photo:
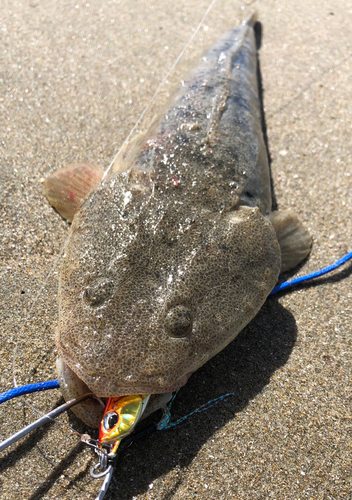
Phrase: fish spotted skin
(168, 261)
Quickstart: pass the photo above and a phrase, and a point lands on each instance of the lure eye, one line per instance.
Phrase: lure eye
(98, 292)
(178, 322)
(110, 420)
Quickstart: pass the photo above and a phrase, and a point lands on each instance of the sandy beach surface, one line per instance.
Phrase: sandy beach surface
(74, 78)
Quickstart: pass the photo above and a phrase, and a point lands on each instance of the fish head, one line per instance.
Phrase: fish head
(149, 291)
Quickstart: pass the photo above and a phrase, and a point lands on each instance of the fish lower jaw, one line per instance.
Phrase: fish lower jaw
(104, 388)
(91, 411)
(71, 376)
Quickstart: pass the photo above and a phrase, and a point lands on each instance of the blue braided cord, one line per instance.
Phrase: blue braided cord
(200, 409)
(165, 419)
(28, 389)
(308, 277)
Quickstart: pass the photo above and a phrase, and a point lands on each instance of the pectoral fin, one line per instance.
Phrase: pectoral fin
(294, 239)
(69, 186)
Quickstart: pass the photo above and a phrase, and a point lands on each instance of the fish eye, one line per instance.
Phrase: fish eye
(178, 322)
(98, 292)
(110, 420)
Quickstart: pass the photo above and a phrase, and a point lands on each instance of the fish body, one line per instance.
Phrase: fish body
(169, 260)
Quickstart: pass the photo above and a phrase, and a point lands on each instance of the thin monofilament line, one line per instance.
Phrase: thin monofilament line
(54, 265)
(159, 88)
(51, 269)
(29, 405)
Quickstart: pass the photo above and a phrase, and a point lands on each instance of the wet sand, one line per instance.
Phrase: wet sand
(74, 79)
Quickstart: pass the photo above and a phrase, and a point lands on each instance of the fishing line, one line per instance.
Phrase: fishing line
(54, 265)
(160, 86)
(308, 277)
(28, 389)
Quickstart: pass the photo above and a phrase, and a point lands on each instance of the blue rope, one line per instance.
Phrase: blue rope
(54, 384)
(28, 389)
(308, 277)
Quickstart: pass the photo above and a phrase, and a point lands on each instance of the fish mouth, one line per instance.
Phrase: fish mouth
(73, 384)
(103, 387)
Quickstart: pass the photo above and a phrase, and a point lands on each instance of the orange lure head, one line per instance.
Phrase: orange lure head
(120, 417)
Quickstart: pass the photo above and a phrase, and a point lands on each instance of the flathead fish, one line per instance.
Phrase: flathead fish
(169, 258)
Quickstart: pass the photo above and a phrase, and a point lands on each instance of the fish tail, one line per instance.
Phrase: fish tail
(252, 19)
(252, 22)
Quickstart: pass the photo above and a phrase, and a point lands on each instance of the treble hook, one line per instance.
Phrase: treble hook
(105, 464)
(106, 483)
